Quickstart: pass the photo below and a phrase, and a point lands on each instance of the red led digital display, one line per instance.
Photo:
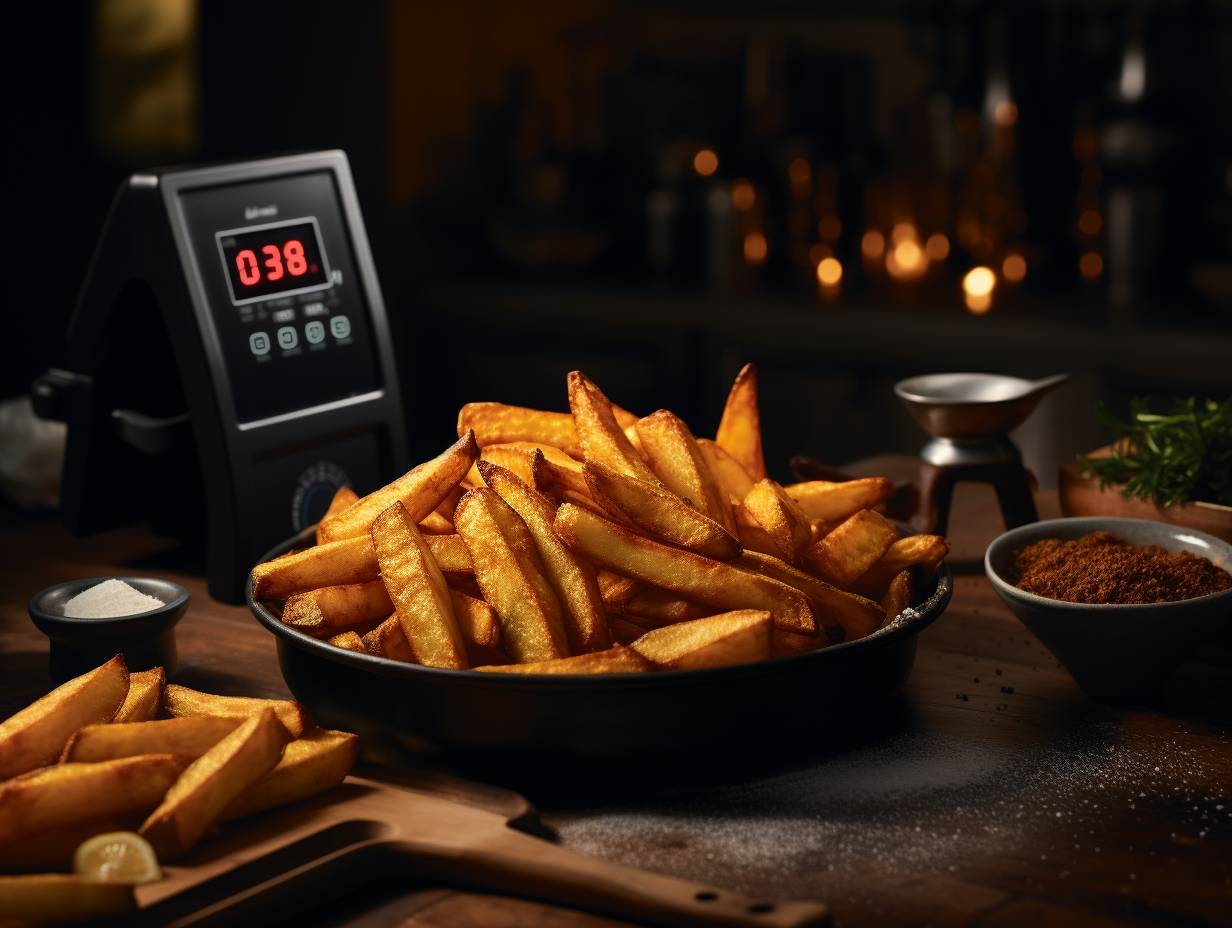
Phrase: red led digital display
(271, 260)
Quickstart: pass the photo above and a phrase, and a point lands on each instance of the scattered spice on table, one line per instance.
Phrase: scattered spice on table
(1100, 568)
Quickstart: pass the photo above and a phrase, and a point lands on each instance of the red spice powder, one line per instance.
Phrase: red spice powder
(1101, 568)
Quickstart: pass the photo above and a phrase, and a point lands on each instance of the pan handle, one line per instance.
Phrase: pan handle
(511, 862)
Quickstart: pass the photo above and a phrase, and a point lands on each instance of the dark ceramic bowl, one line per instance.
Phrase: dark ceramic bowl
(509, 721)
(1116, 653)
(147, 639)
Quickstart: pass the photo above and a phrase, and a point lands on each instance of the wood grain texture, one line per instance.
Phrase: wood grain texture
(956, 756)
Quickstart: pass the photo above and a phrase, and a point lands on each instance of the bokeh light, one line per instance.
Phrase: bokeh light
(829, 272)
(755, 248)
(829, 228)
(937, 247)
(906, 260)
(705, 162)
(979, 282)
(743, 194)
(1014, 268)
(872, 244)
(1090, 222)
(1091, 265)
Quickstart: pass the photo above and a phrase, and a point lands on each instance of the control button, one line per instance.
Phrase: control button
(315, 309)
(340, 326)
(315, 332)
(259, 343)
(283, 315)
(288, 338)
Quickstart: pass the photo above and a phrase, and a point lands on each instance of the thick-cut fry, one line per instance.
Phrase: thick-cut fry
(62, 899)
(420, 491)
(927, 551)
(344, 498)
(37, 734)
(53, 848)
(677, 460)
(348, 641)
(616, 590)
(388, 640)
(511, 574)
(417, 590)
(334, 609)
(834, 502)
(603, 440)
(730, 475)
(787, 644)
(651, 607)
(189, 736)
(698, 578)
(659, 512)
(571, 578)
(180, 701)
(350, 560)
(499, 424)
(519, 458)
(852, 548)
(856, 615)
(897, 597)
(145, 695)
(310, 765)
(739, 431)
(618, 659)
(211, 783)
(739, 637)
(784, 523)
(476, 619)
(435, 524)
(451, 554)
(68, 793)
(623, 630)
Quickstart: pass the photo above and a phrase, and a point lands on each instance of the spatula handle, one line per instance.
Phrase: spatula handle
(520, 865)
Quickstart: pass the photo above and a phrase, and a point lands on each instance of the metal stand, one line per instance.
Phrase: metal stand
(945, 462)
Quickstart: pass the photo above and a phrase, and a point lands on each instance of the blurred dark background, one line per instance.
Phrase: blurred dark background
(846, 192)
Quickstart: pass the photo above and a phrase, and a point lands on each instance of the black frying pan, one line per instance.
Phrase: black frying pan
(617, 718)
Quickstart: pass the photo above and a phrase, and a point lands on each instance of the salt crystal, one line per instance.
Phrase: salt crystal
(109, 599)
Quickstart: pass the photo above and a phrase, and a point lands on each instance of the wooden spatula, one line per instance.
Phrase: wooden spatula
(365, 831)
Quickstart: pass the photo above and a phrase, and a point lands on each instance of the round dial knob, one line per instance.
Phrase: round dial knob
(314, 489)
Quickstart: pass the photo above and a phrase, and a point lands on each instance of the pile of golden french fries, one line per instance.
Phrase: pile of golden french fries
(597, 542)
(113, 751)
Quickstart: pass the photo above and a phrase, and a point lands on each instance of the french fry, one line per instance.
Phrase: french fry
(784, 523)
(499, 424)
(66, 794)
(897, 597)
(852, 548)
(350, 560)
(511, 574)
(739, 637)
(603, 440)
(388, 640)
(786, 644)
(310, 765)
(180, 701)
(517, 458)
(62, 899)
(417, 590)
(856, 615)
(476, 619)
(145, 695)
(344, 498)
(435, 524)
(677, 460)
(623, 630)
(348, 641)
(211, 782)
(334, 609)
(834, 502)
(617, 659)
(739, 431)
(571, 578)
(37, 734)
(451, 554)
(730, 475)
(189, 737)
(698, 578)
(616, 590)
(651, 607)
(926, 551)
(419, 490)
(659, 512)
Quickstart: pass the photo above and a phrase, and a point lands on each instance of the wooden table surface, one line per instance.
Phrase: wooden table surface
(993, 794)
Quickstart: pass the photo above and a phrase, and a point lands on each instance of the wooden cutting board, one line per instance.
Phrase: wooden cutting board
(427, 829)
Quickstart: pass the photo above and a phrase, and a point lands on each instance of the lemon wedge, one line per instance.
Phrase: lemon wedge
(117, 857)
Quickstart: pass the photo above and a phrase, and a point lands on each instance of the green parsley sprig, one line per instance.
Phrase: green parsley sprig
(1169, 458)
